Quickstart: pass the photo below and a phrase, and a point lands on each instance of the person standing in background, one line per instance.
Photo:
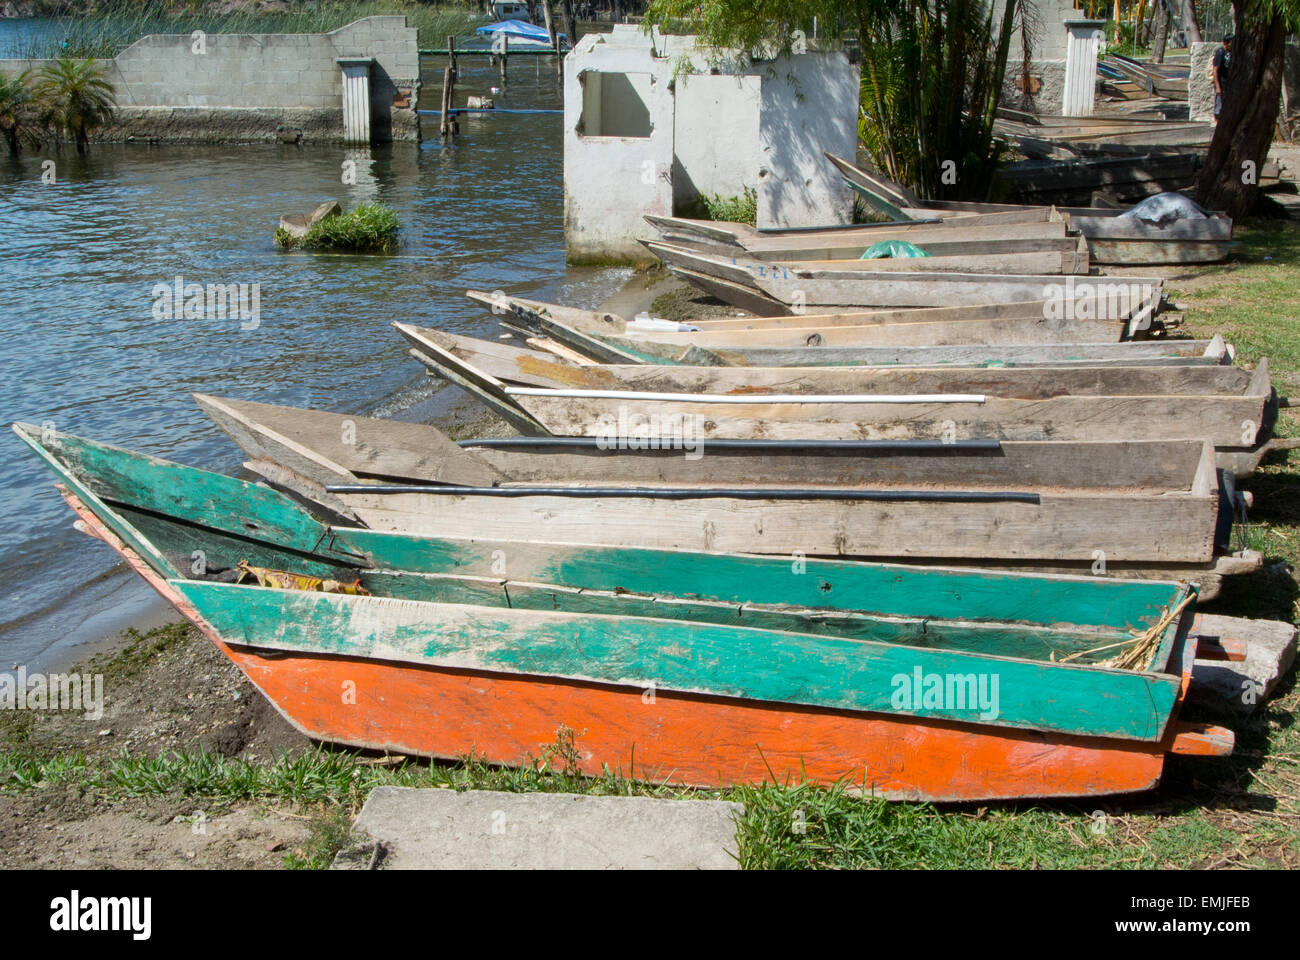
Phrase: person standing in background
(1222, 67)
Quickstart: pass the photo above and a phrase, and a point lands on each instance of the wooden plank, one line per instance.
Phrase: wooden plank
(334, 448)
(1218, 418)
(1174, 528)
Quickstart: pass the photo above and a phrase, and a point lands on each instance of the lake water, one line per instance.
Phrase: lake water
(81, 348)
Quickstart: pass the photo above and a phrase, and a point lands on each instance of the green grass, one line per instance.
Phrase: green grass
(370, 228)
(741, 209)
(116, 24)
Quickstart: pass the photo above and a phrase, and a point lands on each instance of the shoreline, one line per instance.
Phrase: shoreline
(135, 607)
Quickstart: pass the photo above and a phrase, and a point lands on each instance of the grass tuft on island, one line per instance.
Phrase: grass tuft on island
(370, 228)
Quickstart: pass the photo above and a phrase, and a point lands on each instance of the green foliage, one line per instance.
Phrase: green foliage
(370, 228)
(742, 209)
(16, 120)
(932, 73)
(75, 97)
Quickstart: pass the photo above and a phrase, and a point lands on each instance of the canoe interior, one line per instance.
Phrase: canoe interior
(1162, 468)
(174, 515)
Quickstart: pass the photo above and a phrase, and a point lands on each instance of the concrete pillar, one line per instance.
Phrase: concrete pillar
(356, 98)
(1083, 41)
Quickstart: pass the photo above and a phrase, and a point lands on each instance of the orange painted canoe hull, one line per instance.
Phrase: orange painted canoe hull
(676, 738)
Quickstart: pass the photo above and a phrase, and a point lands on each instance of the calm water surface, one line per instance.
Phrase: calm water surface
(81, 348)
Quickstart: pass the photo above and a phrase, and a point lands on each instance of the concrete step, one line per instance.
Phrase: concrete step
(422, 829)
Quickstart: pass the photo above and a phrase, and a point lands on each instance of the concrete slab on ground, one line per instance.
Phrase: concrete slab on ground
(1239, 687)
(486, 830)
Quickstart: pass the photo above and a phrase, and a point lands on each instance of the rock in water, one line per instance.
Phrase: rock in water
(297, 224)
(330, 208)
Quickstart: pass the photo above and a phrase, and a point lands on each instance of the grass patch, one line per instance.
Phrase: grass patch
(741, 209)
(370, 228)
(328, 833)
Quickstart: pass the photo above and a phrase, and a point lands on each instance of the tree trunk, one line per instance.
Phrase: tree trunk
(570, 22)
(1161, 31)
(1191, 27)
(550, 24)
(1229, 178)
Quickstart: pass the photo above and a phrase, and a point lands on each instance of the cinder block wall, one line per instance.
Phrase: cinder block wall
(261, 86)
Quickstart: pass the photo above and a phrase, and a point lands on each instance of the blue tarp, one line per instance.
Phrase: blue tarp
(517, 28)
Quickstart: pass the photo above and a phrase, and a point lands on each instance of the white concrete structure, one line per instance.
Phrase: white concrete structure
(241, 86)
(1083, 43)
(356, 98)
(651, 123)
(1041, 88)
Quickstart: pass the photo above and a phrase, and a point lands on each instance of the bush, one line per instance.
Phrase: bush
(370, 228)
(742, 209)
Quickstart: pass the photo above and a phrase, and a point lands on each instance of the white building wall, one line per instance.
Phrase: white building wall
(719, 127)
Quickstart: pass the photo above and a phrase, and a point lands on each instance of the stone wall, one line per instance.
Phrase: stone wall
(232, 87)
(1046, 93)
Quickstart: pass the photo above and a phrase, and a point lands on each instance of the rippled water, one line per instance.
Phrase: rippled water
(81, 348)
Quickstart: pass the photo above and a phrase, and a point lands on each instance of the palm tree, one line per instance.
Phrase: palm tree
(15, 115)
(76, 97)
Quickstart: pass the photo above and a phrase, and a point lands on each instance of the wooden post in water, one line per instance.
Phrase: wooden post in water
(505, 55)
(447, 122)
(550, 32)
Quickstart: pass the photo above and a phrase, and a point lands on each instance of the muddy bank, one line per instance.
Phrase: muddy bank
(165, 691)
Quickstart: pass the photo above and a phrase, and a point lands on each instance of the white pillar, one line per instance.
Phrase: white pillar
(356, 98)
(1082, 42)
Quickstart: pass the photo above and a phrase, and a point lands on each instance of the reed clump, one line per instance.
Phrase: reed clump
(370, 228)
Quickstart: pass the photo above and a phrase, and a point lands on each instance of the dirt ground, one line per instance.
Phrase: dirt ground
(160, 695)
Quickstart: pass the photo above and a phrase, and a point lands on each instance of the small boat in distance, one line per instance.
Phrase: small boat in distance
(520, 33)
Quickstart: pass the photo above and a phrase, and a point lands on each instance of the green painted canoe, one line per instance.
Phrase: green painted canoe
(814, 633)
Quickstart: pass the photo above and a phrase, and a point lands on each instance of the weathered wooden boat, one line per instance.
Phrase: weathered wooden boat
(1232, 407)
(956, 501)
(799, 286)
(705, 669)
(1112, 237)
(1064, 255)
(804, 341)
(936, 237)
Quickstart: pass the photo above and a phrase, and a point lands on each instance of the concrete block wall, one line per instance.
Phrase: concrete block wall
(1050, 77)
(1048, 41)
(253, 86)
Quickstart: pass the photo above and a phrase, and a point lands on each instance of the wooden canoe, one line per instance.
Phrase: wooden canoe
(1063, 254)
(1112, 238)
(1135, 503)
(797, 286)
(800, 341)
(763, 341)
(497, 649)
(1234, 408)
